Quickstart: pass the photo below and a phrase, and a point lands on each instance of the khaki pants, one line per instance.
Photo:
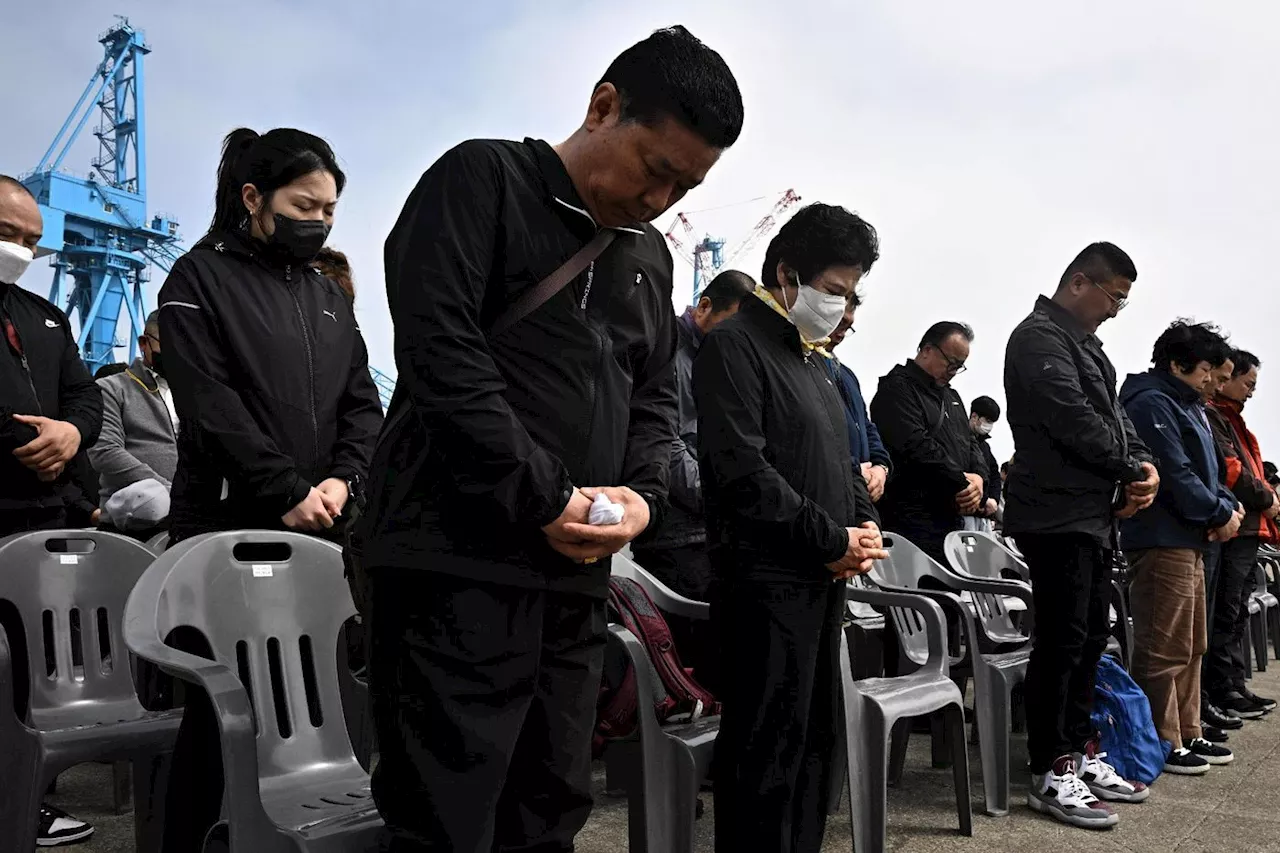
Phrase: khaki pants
(1166, 599)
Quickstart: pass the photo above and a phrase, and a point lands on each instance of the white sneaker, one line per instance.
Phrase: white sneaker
(1063, 796)
(1103, 780)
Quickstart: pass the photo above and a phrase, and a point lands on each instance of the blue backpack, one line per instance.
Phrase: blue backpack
(1122, 716)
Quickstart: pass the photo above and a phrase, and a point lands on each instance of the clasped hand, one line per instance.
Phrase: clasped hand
(865, 547)
(573, 536)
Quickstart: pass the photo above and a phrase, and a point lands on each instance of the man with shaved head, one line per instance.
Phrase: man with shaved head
(49, 408)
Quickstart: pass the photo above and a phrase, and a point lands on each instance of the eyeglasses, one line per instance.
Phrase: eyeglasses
(1118, 301)
(954, 365)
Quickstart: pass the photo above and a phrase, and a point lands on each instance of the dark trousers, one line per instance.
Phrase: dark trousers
(782, 709)
(1071, 590)
(484, 699)
(1224, 666)
(687, 571)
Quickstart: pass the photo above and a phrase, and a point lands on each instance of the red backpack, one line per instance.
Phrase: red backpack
(679, 696)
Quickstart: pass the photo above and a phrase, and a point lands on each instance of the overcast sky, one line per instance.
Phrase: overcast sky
(987, 141)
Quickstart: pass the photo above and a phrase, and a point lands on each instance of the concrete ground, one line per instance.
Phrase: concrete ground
(1234, 808)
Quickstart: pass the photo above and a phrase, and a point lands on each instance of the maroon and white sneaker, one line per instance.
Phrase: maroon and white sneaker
(1063, 796)
(1103, 780)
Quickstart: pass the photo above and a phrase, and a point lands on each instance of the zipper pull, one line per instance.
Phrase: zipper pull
(288, 273)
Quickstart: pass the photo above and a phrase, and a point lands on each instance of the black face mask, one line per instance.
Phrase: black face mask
(157, 364)
(298, 240)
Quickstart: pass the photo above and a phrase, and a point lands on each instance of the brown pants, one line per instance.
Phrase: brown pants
(1166, 599)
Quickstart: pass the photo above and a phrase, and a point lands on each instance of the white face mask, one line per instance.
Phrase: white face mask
(984, 427)
(14, 260)
(815, 314)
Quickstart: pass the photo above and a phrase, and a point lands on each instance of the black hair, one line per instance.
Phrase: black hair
(1244, 361)
(938, 333)
(672, 73)
(818, 237)
(14, 183)
(269, 162)
(986, 408)
(1187, 344)
(727, 289)
(1100, 262)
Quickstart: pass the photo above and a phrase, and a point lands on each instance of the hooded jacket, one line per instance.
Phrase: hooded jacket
(1170, 419)
(270, 379)
(40, 374)
(487, 434)
(1244, 474)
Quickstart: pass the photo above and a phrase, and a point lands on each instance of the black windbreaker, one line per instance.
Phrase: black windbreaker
(487, 434)
(773, 444)
(271, 383)
(46, 378)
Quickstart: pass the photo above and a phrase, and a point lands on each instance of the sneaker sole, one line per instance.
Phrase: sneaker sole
(1058, 814)
(1177, 770)
(1119, 797)
(1246, 715)
(1227, 724)
(1218, 760)
(65, 839)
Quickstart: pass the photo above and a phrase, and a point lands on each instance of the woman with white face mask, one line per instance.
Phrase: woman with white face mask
(787, 524)
(984, 412)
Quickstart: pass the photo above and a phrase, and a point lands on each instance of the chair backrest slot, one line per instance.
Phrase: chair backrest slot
(284, 725)
(310, 683)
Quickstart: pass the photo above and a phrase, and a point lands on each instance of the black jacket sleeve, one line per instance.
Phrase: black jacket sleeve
(438, 261)
(79, 398)
(359, 418)
(206, 396)
(686, 479)
(1051, 381)
(731, 444)
(908, 435)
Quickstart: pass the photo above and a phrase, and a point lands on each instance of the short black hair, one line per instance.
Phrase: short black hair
(1100, 262)
(986, 408)
(14, 183)
(939, 332)
(1186, 344)
(818, 237)
(1244, 361)
(672, 73)
(727, 289)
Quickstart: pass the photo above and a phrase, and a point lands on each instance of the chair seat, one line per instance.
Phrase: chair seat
(90, 714)
(910, 695)
(1267, 599)
(1012, 603)
(1255, 606)
(694, 734)
(319, 806)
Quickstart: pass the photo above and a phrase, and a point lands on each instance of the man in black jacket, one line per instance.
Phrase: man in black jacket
(49, 408)
(787, 524)
(1078, 466)
(938, 469)
(488, 585)
(984, 413)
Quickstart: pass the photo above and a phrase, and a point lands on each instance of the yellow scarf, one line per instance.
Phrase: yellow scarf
(817, 346)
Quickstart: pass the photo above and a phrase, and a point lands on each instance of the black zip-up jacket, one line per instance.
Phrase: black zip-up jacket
(487, 434)
(1074, 446)
(271, 382)
(925, 428)
(46, 378)
(773, 446)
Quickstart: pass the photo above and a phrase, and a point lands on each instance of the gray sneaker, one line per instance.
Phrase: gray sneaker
(1062, 795)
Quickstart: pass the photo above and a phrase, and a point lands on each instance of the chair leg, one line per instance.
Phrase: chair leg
(954, 716)
(991, 708)
(868, 778)
(1259, 639)
(121, 787)
(1274, 624)
(940, 746)
(900, 734)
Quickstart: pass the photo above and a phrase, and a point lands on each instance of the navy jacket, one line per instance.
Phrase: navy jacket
(1169, 417)
(864, 438)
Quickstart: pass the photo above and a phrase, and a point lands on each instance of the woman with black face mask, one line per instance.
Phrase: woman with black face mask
(277, 411)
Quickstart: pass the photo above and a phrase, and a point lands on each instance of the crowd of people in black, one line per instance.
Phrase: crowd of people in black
(542, 372)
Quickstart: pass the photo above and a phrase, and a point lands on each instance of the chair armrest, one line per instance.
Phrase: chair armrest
(935, 624)
(646, 690)
(990, 586)
(667, 600)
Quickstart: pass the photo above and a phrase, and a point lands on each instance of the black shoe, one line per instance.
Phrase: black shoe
(58, 828)
(1213, 716)
(1216, 735)
(1235, 705)
(1210, 752)
(1183, 762)
(1267, 705)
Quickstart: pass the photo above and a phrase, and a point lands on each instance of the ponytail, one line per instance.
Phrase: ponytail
(228, 209)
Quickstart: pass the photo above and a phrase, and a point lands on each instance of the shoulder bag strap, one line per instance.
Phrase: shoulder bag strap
(532, 299)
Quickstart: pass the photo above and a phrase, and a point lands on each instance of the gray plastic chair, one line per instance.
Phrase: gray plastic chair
(996, 653)
(660, 767)
(876, 708)
(84, 707)
(159, 542)
(1269, 561)
(1260, 618)
(292, 781)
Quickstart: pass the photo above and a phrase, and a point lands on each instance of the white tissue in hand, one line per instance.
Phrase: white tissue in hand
(605, 511)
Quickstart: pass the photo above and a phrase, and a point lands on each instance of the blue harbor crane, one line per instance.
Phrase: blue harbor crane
(97, 233)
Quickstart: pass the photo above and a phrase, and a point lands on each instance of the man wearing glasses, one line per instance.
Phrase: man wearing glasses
(925, 428)
(1078, 467)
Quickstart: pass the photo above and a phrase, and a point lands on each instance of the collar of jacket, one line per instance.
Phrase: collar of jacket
(244, 247)
(1063, 318)
(140, 373)
(1175, 387)
(1226, 404)
(790, 332)
(561, 193)
(918, 373)
(695, 334)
